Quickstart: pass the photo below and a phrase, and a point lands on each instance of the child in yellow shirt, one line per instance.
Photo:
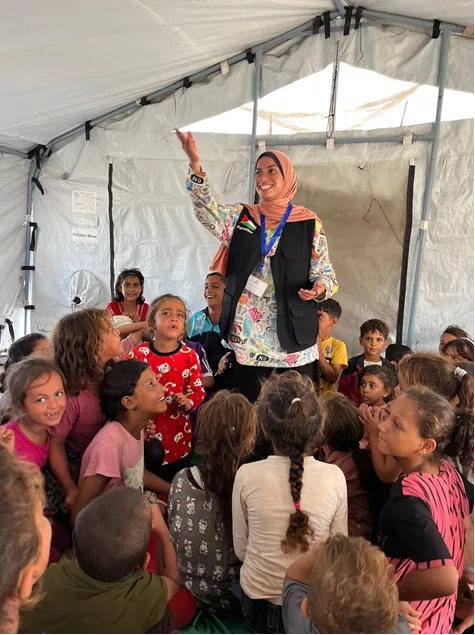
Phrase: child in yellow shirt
(332, 354)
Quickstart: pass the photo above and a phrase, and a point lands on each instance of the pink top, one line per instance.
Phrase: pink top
(117, 308)
(81, 421)
(116, 454)
(26, 448)
(83, 416)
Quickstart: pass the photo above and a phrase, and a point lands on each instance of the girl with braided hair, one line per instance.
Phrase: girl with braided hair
(282, 504)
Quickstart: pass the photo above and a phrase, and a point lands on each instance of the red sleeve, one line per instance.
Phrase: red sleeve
(194, 389)
(143, 310)
(114, 308)
(344, 384)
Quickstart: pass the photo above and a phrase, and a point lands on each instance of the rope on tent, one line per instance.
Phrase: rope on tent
(332, 111)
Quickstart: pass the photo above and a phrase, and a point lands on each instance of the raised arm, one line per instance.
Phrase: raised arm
(217, 218)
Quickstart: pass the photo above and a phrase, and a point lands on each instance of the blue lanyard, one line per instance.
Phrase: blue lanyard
(266, 249)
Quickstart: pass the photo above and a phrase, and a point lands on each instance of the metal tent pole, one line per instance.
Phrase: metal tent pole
(444, 54)
(28, 284)
(15, 153)
(256, 84)
(316, 141)
(338, 4)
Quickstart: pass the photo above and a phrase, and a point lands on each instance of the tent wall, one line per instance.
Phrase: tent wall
(13, 180)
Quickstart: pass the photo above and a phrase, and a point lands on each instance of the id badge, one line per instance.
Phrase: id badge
(256, 286)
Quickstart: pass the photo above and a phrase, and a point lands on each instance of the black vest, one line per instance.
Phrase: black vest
(297, 320)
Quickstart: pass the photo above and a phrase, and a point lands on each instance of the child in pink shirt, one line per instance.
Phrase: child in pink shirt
(35, 391)
(83, 342)
(130, 395)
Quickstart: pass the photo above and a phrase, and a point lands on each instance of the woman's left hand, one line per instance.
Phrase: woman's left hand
(315, 292)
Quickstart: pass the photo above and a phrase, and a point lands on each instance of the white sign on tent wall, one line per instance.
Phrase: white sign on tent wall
(80, 235)
(85, 219)
(84, 202)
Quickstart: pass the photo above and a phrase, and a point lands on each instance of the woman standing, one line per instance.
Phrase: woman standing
(275, 258)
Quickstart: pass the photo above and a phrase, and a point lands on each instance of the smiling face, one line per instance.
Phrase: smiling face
(45, 400)
(373, 391)
(131, 288)
(213, 291)
(268, 179)
(170, 319)
(149, 395)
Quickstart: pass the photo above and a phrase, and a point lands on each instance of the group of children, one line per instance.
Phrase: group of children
(383, 455)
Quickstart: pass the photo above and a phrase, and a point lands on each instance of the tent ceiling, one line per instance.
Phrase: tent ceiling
(67, 62)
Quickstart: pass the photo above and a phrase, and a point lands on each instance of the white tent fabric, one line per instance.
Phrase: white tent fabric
(65, 63)
(104, 54)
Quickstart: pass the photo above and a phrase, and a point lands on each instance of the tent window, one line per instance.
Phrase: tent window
(366, 101)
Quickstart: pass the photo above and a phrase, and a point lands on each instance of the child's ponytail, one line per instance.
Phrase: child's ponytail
(291, 416)
(461, 445)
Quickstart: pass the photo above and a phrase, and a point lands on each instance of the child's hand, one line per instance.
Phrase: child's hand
(372, 416)
(158, 523)
(412, 616)
(150, 430)
(182, 402)
(464, 611)
(71, 495)
(468, 523)
(7, 439)
(223, 363)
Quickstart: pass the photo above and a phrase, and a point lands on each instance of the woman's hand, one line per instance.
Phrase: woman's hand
(189, 146)
(315, 292)
(223, 363)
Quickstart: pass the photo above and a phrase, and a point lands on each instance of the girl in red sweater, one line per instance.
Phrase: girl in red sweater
(180, 373)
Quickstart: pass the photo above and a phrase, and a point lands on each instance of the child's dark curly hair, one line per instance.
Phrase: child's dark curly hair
(289, 411)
